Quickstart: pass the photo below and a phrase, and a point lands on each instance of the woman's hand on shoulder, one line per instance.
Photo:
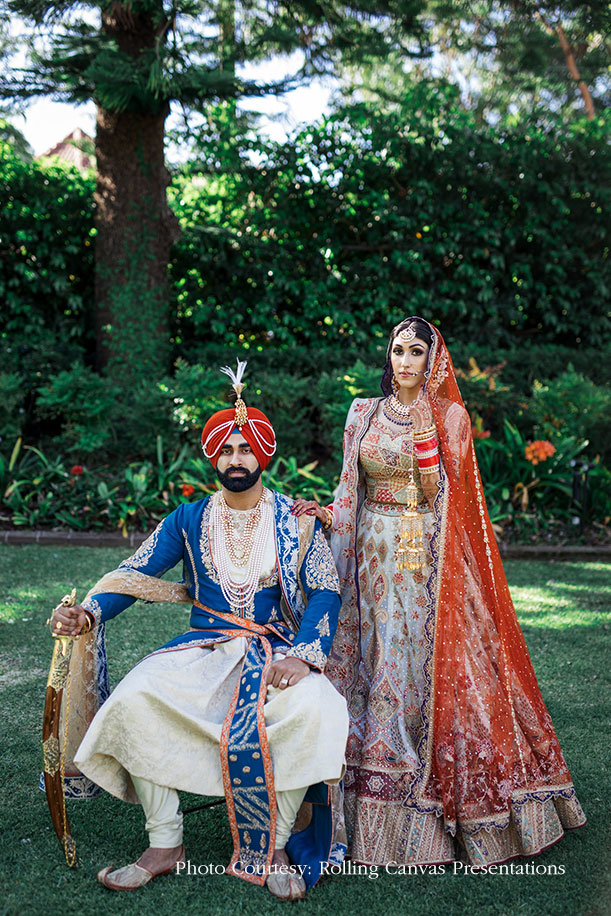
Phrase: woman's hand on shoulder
(310, 507)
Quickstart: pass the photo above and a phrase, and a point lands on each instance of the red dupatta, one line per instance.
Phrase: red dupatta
(523, 752)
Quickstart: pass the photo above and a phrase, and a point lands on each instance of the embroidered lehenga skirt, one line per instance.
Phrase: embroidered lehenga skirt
(386, 725)
(390, 815)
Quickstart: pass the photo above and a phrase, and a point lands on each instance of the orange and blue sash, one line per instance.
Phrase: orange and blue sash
(246, 763)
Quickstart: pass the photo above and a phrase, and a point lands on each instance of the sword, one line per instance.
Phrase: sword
(53, 753)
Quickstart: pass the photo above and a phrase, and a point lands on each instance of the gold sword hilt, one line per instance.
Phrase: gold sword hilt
(67, 601)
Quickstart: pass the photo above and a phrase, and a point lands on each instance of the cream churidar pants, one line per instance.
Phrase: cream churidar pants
(164, 820)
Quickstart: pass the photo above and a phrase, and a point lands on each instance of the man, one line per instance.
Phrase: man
(238, 705)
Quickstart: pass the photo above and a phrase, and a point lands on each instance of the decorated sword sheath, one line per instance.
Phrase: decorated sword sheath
(53, 747)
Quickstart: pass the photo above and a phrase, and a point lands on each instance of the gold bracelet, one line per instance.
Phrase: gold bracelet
(433, 470)
(330, 518)
(423, 434)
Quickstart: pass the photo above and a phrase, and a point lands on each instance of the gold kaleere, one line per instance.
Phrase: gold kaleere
(410, 552)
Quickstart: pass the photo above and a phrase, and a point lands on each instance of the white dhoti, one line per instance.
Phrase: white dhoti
(163, 724)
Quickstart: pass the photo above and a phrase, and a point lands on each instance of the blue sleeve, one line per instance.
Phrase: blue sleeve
(160, 552)
(320, 584)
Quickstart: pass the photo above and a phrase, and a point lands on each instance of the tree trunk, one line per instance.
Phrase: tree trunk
(572, 68)
(135, 227)
(571, 63)
(227, 57)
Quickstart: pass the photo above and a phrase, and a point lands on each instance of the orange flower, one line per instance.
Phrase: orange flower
(538, 451)
(477, 429)
(187, 489)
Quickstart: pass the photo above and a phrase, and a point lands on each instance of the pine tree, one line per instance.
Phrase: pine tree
(526, 53)
(507, 56)
(135, 58)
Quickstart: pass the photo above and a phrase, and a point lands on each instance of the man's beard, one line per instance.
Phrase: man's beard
(240, 482)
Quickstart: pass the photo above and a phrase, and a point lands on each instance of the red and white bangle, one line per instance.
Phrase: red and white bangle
(426, 449)
(428, 465)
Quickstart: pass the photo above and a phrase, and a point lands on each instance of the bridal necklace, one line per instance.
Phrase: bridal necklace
(397, 412)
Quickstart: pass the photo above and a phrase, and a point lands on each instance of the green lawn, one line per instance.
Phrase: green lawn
(564, 609)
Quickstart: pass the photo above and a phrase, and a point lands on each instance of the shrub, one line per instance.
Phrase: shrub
(12, 411)
(83, 402)
(572, 404)
(43, 492)
(527, 487)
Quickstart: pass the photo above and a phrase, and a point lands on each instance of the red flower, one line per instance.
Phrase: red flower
(538, 451)
(187, 489)
(77, 470)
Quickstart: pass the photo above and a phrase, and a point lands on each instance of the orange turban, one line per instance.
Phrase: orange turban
(257, 431)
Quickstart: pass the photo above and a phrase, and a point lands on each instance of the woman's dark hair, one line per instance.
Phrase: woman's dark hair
(423, 332)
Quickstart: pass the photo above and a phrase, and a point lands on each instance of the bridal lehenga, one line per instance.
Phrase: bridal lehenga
(452, 753)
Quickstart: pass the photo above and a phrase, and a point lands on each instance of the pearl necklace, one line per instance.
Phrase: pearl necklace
(248, 553)
(397, 412)
(239, 546)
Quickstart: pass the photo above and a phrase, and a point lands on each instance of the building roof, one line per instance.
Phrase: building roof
(76, 149)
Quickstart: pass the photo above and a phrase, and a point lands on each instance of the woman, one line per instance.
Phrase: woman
(451, 752)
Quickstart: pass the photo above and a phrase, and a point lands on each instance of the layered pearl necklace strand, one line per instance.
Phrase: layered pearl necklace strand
(245, 551)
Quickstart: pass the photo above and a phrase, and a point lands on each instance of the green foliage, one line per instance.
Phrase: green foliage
(572, 404)
(41, 491)
(46, 267)
(190, 52)
(95, 416)
(10, 134)
(302, 263)
(335, 394)
(12, 412)
(373, 215)
(84, 402)
(285, 475)
(195, 392)
(490, 402)
(137, 337)
(524, 498)
(509, 54)
(35, 488)
(308, 410)
(526, 361)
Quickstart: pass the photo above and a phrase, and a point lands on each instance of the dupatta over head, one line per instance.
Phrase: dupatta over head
(489, 745)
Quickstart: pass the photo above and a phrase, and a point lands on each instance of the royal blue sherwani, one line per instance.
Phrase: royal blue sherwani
(295, 613)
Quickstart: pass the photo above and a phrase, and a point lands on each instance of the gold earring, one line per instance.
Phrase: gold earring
(394, 384)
